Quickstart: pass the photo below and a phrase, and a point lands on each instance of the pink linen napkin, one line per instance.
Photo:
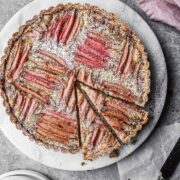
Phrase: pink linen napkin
(166, 11)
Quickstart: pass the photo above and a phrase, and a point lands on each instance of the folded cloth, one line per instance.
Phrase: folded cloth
(166, 11)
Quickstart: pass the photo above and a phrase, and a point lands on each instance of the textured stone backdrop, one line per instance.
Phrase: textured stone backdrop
(11, 158)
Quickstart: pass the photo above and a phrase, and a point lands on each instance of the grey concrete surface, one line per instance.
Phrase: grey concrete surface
(11, 158)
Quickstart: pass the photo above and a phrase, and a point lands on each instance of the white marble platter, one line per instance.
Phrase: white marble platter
(156, 100)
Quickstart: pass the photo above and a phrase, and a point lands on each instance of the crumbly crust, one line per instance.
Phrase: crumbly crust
(52, 10)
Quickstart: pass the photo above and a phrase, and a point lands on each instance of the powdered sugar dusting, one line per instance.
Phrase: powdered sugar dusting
(66, 52)
(58, 49)
(104, 75)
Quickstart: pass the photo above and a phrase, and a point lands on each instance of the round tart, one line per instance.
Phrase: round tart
(74, 77)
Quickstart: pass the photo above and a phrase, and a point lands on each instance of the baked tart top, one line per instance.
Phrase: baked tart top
(61, 49)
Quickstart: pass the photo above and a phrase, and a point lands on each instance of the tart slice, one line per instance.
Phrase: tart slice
(123, 119)
(96, 138)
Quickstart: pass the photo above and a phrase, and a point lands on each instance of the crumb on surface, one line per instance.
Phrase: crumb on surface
(83, 163)
(114, 153)
(134, 141)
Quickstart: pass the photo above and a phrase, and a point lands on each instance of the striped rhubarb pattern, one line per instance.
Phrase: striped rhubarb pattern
(46, 80)
(49, 67)
(20, 58)
(24, 106)
(93, 53)
(35, 94)
(65, 29)
(120, 91)
(68, 92)
(125, 119)
(127, 64)
(57, 126)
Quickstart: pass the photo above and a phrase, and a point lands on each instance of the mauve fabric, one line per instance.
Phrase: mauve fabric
(166, 11)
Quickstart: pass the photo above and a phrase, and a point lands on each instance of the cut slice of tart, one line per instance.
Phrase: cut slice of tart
(123, 119)
(96, 138)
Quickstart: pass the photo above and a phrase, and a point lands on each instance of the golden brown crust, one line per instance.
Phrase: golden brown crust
(52, 10)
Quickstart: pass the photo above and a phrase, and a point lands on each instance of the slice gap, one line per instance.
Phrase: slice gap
(78, 118)
(104, 93)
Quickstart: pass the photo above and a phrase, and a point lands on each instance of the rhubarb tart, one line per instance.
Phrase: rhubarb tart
(75, 78)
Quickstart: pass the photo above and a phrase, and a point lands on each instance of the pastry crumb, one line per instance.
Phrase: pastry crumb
(83, 163)
(114, 153)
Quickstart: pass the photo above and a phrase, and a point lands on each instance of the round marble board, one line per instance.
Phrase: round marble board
(154, 106)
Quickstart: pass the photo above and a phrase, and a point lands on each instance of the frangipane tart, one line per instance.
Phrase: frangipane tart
(65, 48)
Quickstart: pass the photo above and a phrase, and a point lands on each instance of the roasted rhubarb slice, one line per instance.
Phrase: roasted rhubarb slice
(93, 52)
(124, 119)
(19, 60)
(68, 89)
(75, 30)
(37, 95)
(72, 101)
(123, 59)
(52, 57)
(96, 138)
(25, 107)
(51, 68)
(60, 127)
(16, 57)
(65, 28)
(68, 27)
(45, 80)
(58, 29)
